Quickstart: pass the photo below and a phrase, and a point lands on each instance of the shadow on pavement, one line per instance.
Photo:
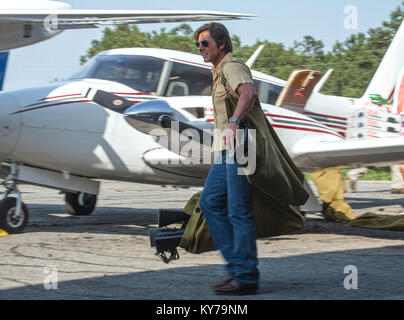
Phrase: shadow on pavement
(51, 218)
(130, 221)
(307, 276)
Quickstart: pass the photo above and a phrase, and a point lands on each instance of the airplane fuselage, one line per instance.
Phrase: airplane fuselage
(58, 128)
(64, 131)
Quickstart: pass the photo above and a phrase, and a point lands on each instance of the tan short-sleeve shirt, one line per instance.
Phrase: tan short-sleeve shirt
(236, 73)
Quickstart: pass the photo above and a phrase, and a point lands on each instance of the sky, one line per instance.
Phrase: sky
(278, 21)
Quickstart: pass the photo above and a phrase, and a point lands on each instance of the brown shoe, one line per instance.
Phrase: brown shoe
(235, 288)
(222, 282)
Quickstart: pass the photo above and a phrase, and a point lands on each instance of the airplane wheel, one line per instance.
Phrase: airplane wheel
(80, 204)
(9, 221)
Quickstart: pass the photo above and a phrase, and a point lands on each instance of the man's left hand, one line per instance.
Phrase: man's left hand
(229, 134)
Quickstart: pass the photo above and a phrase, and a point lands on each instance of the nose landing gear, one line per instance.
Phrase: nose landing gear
(13, 212)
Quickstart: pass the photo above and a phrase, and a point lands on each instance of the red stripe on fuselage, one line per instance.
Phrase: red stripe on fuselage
(325, 116)
(303, 129)
(288, 117)
(313, 121)
(50, 105)
(66, 95)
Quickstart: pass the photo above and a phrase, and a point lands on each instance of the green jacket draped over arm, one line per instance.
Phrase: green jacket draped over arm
(277, 188)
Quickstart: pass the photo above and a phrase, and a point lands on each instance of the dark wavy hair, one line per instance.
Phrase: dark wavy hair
(218, 32)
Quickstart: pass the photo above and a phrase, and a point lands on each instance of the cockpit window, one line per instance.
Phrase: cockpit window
(162, 77)
(141, 73)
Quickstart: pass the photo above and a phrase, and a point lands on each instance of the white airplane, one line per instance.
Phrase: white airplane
(95, 126)
(25, 22)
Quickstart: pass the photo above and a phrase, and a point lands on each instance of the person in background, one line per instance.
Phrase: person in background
(331, 190)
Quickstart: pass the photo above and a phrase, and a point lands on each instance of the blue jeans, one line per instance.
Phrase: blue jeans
(231, 226)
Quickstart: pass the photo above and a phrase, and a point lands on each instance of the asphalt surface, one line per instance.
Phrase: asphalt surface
(107, 255)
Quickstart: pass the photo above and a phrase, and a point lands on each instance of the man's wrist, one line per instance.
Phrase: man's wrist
(233, 119)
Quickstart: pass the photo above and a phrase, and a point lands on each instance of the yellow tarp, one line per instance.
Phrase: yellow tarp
(331, 189)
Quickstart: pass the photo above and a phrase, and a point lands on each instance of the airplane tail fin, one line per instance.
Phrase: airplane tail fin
(3, 66)
(383, 81)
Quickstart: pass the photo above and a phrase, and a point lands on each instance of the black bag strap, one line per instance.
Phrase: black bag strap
(223, 81)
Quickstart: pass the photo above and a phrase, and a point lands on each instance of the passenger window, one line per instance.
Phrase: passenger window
(267, 92)
(189, 80)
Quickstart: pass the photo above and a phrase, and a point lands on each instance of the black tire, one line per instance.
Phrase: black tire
(8, 221)
(73, 206)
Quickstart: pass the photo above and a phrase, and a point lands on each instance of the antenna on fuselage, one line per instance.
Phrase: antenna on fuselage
(254, 56)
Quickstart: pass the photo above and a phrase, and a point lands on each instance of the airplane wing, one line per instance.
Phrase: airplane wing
(315, 155)
(78, 19)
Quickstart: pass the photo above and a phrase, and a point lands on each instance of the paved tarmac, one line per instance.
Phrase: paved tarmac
(107, 255)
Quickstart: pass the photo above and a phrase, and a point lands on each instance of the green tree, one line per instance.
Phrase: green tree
(179, 38)
(124, 36)
(395, 19)
(312, 49)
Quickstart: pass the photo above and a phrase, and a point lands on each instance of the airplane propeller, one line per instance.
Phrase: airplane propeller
(109, 100)
(157, 118)
(148, 115)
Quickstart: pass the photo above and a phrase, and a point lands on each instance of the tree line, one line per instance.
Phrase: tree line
(354, 60)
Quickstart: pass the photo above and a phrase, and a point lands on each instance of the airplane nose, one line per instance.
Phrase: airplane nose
(10, 126)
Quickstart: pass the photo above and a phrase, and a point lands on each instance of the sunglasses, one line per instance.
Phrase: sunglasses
(205, 43)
